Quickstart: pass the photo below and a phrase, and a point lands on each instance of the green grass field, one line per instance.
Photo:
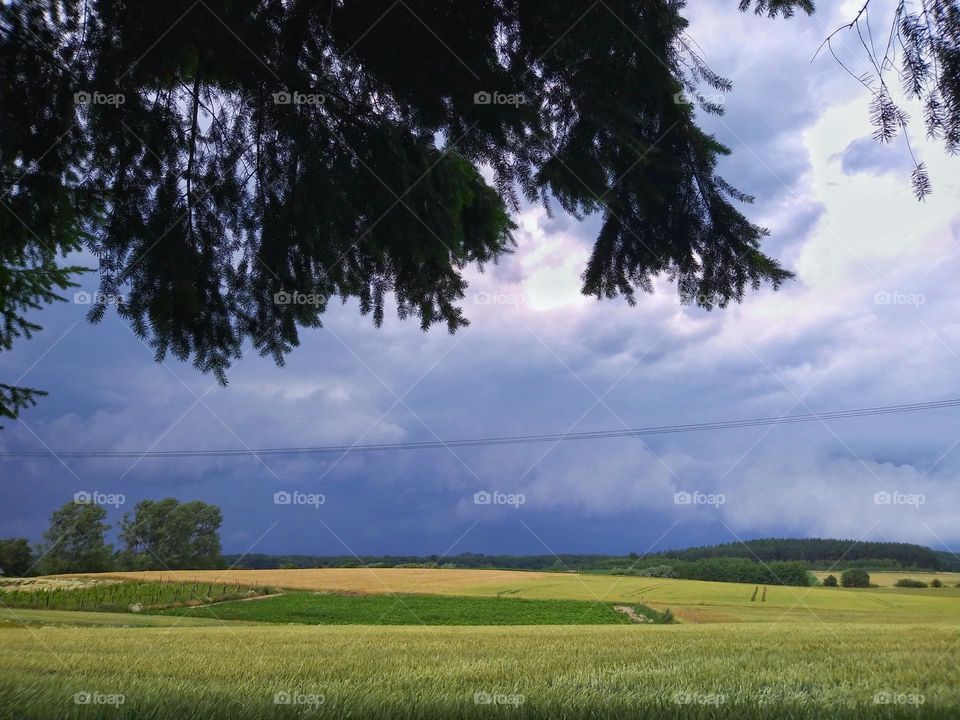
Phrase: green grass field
(17, 618)
(743, 671)
(119, 596)
(692, 601)
(334, 609)
(805, 653)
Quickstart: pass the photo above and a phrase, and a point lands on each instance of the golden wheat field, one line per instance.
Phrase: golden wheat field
(803, 671)
(690, 600)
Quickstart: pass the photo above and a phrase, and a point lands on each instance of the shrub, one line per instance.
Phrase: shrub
(855, 578)
(830, 581)
(660, 571)
(936, 583)
(910, 583)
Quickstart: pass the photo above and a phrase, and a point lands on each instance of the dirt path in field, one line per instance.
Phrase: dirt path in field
(630, 613)
(246, 599)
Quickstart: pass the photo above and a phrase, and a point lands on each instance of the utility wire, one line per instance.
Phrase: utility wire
(490, 441)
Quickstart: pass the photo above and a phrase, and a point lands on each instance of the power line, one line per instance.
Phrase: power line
(504, 440)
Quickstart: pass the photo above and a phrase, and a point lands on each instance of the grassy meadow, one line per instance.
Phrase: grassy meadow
(19, 617)
(337, 609)
(812, 670)
(415, 643)
(694, 601)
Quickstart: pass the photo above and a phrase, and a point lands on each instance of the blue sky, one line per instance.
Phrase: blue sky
(870, 320)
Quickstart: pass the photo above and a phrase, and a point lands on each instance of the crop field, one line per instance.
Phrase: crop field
(808, 670)
(16, 618)
(888, 578)
(336, 609)
(690, 600)
(119, 595)
(480, 644)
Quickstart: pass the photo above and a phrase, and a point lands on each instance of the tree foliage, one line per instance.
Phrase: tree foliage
(16, 558)
(920, 55)
(170, 535)
(855, 578)
(816, 550)
(74, 542)
(225, 160)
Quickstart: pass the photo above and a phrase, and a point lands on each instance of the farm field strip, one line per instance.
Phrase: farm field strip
(692, 600)
(18, 617)
(715, 671)
(887, 578)
(335, 609)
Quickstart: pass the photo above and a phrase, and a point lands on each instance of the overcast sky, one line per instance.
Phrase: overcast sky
(872, 319)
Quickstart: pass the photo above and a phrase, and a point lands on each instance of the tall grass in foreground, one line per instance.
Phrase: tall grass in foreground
(124, 596)
(803, 671)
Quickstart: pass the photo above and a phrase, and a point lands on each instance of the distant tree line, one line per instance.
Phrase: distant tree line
(737, 570)
(557, 563)
(159, 535)
(812, 554)
(817, 550)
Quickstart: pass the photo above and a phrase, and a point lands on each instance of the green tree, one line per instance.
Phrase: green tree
(75, 540)
(29, 278)
(921, 54)
(855, 578)
(830, 581)
(16, 558)
(230, 184)
(168, 534)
